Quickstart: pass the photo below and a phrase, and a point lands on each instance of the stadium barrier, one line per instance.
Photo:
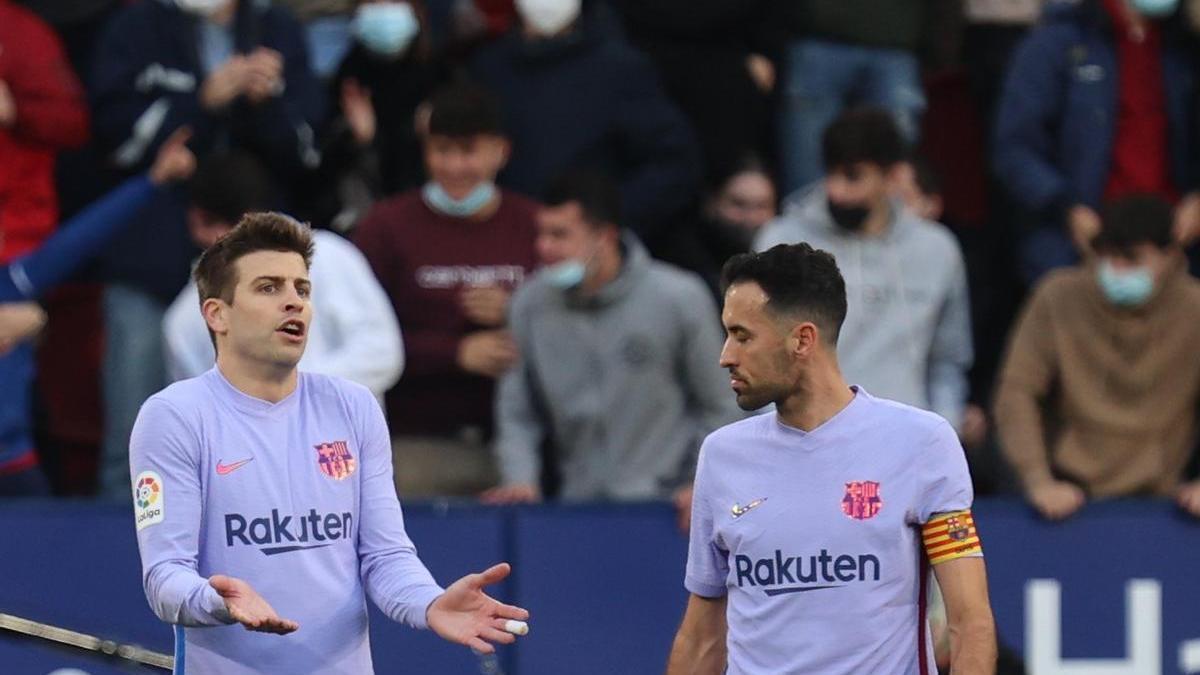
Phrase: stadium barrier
(1113, 591)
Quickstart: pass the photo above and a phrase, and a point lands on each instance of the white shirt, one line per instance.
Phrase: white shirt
(354, 332)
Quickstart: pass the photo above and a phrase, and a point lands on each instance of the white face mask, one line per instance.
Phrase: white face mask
(202, 7)
(548, 17)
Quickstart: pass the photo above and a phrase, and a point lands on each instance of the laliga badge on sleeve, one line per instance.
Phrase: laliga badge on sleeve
(148, 499)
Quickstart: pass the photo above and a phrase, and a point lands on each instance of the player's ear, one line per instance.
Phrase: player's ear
(216, 315)
(803, 339)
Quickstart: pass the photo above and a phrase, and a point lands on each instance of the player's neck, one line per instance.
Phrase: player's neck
(267, 383)
(816, 400)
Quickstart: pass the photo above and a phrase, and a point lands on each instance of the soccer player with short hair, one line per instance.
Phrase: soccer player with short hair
(255, 481)
(813, 527)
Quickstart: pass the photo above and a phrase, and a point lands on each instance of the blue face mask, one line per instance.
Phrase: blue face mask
(1125, 288)
(1155, 9)
(439, 200)
(565, 275)
(386, 28)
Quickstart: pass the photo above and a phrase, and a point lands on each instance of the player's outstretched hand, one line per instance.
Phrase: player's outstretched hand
(249, 608)
(465, 615)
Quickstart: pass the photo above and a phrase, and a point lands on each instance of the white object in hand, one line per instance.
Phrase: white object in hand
(516, 627)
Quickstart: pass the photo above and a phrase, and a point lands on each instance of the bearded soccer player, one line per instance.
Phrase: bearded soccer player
(264, 496)
(813, 527)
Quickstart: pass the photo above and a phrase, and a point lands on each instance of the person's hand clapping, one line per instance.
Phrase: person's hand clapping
(249, 608)
(225, 83)
(264, 76)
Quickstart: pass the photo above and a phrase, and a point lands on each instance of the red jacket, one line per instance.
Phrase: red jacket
(51, 116)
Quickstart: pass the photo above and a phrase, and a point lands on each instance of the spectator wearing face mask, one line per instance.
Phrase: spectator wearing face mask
(449, 254)
(619, 361)
(370, 146)
(1099, 102)
(907, 334)
(1099, 392)
(575, 94)
(737, 205)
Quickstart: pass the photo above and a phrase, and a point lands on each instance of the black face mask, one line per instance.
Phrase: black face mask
(849, 218)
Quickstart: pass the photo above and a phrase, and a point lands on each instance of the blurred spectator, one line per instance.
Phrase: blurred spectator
(42, 110)
(908, 330)
(449, 255)
(712, 58)
(353, 333)
(29, 276)
(846, 54)
(370, 146)
(1098, 395)
(328, 29)
(920, 189)
(618, 361)
(575, 94)
(738, 204)
(1099, 103)
(237, 72)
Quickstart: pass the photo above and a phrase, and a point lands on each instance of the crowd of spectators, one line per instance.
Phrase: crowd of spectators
(523, 206)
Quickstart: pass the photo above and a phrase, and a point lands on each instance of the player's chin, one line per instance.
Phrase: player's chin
(748, 401)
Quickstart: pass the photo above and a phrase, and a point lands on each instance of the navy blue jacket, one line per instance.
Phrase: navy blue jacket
(145, 84)
(1057, 117)
(591, 100)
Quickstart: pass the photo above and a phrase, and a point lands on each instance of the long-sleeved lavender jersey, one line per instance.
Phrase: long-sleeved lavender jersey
(296, 498)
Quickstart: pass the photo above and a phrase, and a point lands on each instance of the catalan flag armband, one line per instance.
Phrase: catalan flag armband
(950, 535)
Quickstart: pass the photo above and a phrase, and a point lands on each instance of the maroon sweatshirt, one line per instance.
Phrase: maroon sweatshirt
(424, 260)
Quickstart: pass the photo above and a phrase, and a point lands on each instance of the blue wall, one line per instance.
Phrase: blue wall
(603, 583)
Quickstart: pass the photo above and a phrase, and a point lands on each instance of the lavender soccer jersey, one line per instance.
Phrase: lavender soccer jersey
(296, 498)
(815, 537)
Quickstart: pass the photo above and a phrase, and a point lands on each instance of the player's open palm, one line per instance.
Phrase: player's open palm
(249, 608)
(466, 615)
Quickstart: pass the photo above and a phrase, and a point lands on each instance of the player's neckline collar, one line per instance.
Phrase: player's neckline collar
(825, 428)
(252, 404)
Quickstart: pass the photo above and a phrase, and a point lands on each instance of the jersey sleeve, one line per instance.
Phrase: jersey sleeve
(163, 464)
(944, 506)
(707, 563)
(394, 577)
(945, 480)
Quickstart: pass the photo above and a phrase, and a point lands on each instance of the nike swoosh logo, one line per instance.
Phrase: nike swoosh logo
(738, 510)
(226, 469)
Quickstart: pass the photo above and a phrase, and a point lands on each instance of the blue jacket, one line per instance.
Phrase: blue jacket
(1056, 121)
(31, 275)
(145, 83)
(591, 100)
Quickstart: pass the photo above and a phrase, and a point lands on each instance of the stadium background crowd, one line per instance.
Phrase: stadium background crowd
(524, 207)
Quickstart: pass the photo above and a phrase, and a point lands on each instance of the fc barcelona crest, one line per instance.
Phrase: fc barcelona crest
(956, 529)
(862, 500)
(335, 460)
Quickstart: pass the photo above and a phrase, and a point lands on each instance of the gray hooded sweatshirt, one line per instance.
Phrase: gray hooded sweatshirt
(626, 383)
(907, 334)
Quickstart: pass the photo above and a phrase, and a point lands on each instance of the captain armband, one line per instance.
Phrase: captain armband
(952, 535)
